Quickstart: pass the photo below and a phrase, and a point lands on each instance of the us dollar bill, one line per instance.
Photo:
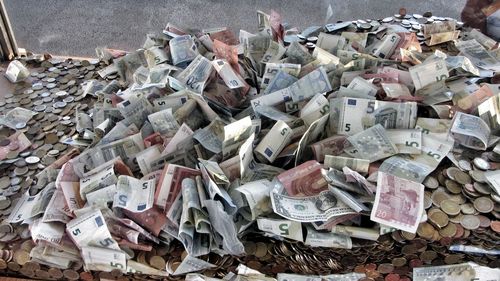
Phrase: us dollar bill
(321, 207)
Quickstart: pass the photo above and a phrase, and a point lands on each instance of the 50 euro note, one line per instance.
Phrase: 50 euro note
(349, 116)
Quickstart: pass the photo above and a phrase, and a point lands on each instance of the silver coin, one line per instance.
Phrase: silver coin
(20, 125)
(62, 94)
(32, 160)
(51, 85)
(60, 104)
(69, 99)
(464, 165)
(388, 19)
(51, 80)
(37, 86)
(45, 94)
(40, 108)
(481, 163)
(4, 182)
(15, 181)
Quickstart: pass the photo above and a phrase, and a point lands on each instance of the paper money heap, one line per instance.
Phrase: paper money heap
(367, 147)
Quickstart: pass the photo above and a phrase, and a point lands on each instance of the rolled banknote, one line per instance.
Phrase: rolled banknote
(357, 232)
(339, 162)
(456, 272)
(273, 143)
(16, 71)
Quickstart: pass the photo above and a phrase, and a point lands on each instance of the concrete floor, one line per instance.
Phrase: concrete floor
(76, 27)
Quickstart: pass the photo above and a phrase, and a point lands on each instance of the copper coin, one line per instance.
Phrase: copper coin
(86, 276)
(55, 273)
(385, 268)
(495, 226)
(392, 277)
(71, 274)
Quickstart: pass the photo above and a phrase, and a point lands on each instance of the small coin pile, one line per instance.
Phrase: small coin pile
(362, 150)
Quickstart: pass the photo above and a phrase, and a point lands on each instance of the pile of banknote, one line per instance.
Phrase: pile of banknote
(360, 150)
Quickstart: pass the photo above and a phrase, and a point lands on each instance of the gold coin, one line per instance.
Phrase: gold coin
(21, 257)
(438, 196)
(453, 187)
(448, 231)
(462, 178)
(467, 209)
(157, 262)
(450, 207)
(470, 222)
(261, 249)
(250, 248)
(438, 218)
(425, 230)
(484, 204)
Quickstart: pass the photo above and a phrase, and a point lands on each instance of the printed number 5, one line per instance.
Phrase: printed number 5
(347, 127)
(412, 143)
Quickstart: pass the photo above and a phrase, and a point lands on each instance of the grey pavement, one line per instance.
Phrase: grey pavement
(76, 27)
